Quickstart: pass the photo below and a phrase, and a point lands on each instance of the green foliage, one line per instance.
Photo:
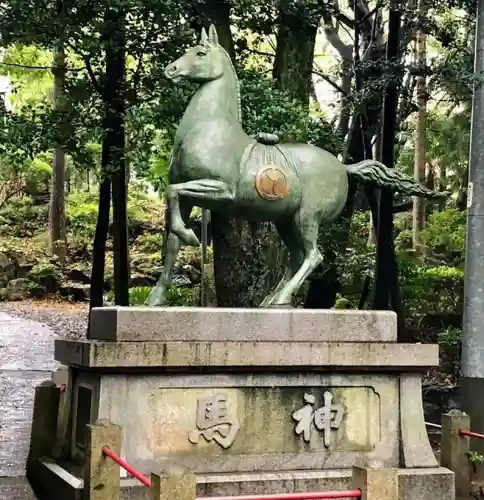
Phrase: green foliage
(475, 457)
(30, 86)
(449, 344)
(431, 290)
(47, 276)
(81, 211)
(183, 296)
(148, 243)
(267, 109)
(450, 337)
(21, 218)
(445, 235)
(447, 148)
(177, 296)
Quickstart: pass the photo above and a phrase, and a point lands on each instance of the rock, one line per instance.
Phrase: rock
(75, 291)
(439, 399)
(7, 269)
(47, 275)
(142, 280)
(79, 275)
(18, 289)
(181, 280)
(186, 275)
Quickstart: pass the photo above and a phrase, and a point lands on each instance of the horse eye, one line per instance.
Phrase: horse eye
(201, 54)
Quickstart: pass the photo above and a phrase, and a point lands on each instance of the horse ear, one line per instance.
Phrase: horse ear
(212, 35)
(204, 36)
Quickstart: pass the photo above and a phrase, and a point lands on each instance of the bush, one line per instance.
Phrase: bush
(445, 235)
(177, 296)
(47, 276)
(19, 217)
(431, 290)
(449, 345)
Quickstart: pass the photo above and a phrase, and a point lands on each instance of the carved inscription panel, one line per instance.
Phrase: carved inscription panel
(259, 420)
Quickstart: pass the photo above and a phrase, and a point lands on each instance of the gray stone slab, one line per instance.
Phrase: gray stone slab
(281, 355)
(222, 324)
(26, 359)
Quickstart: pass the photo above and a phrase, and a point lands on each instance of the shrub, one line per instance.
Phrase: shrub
(19, 217)
(177, 296)
(445, 235)
(46, 275)
(431, 290)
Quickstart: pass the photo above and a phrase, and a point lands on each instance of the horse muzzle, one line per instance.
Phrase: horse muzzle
(172, 72)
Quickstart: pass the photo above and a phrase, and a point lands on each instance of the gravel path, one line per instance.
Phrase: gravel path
(68, 320)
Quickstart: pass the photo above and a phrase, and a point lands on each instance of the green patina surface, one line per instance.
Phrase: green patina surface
(217, 166)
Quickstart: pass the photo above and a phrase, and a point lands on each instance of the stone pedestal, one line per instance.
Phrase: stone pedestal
(255, 400)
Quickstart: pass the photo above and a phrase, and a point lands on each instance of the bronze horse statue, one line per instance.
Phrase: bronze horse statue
(217, 166)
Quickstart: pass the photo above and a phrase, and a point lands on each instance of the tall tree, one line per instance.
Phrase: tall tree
(420, 129)
(386, 272)
(114, 143)
(298, 24)
(57, 222)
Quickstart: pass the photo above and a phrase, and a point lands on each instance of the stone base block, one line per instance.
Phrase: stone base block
(414, 484)
(264, 422)
(202, 324)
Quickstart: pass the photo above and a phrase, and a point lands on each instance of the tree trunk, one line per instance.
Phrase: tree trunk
(296, 38)
(386, 273)
(57, 218)
(324, 286)
(420, 132)
(100, 237)
(217, 12)
(115, 143)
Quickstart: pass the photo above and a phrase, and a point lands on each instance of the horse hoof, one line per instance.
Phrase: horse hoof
(156, 299)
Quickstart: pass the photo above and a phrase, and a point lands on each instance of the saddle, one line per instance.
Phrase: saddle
(266, 168)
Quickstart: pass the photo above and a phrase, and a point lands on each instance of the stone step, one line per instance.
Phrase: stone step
(26, 359)
(15, 488)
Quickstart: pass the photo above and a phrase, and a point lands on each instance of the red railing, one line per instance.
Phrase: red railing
(464, 432)
(460, 432)
(128, 468)
(318, 495)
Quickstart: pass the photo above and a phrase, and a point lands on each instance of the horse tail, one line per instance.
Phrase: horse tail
(374, 172)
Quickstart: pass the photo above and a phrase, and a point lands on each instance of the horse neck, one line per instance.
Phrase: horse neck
(215, 99)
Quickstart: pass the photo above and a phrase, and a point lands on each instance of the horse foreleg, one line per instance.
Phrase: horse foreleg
(158, 294)
(204, 189)
(178, 226)
(306, 227)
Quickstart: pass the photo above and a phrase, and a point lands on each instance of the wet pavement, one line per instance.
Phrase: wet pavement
(26, 359)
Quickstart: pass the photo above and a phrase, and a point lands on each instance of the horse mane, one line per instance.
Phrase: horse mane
(237, 83)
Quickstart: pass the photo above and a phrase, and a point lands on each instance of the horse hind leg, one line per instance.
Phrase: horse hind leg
(296, 257)
(158, 294)
(306, 230)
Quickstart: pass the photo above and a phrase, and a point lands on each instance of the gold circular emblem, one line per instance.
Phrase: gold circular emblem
(271, 183)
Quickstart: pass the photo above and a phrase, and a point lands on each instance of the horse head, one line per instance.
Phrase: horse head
(200, 64)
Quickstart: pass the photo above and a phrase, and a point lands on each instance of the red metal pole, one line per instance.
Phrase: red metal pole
(128, 468)
(314, 495)
(463, 432)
